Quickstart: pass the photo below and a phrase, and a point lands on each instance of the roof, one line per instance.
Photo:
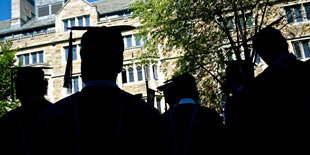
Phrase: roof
(34, 23)
(103, 7)
(108, 6)
(5, 25)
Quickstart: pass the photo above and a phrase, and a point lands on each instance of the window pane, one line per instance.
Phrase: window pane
(56, 8)
(155, 72)
(74, 55)
(26, 59)
(297, 49)
(305, 45)
(138, 40)
(43, 11)
(144, 39)
(129, 41)
(41, 60)
(130, 73)
(289, 15)
(66, 53)
(72, 22)
(147, 72)
(20, 59)
(124, 76)
(87, 22)
(139, 72)
(69, 90)
(66, 24)
(76, 84)
(298, 14)
(34, 58)
(80, 21)
(307, 8)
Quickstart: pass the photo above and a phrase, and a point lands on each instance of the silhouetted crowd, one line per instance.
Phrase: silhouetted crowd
(268, 113)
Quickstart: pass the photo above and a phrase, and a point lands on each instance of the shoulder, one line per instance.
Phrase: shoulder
(62, 107)
(10, 115)
(137, 105)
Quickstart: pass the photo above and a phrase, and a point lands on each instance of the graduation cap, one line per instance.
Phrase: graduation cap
(27, 76)
(179, 81)
(95, 37)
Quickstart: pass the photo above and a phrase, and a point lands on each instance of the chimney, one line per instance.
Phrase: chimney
(22, 11)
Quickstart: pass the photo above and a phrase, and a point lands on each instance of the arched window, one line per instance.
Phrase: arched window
(147, 72)
(139, 73)
(130, 73)
(155, 76)
(124, 76)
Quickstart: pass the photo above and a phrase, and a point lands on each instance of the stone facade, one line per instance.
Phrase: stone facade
(43, 42)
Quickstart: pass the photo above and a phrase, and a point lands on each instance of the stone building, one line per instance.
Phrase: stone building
(39, 31)
(42, 39)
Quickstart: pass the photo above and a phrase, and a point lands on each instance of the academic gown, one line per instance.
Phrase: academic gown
(22, 129)
(206, 129)
(274, 107)
(103, 120)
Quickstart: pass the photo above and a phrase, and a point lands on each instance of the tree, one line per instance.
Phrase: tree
(203, 34)
(7, 60)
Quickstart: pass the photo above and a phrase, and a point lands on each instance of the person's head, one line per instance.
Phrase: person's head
(270, 44)
(30, 83)
(183, 86)
(101, 54)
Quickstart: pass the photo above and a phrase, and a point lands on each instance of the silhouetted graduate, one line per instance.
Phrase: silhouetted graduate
(192, 129)
(103, 119)
(274, 107)
(22, 129)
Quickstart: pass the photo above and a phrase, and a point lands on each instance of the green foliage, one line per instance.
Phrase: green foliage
(202, 33)
(7, 60)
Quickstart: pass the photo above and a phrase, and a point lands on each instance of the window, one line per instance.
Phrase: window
(56, 8)
(307, 9)
(41, 57)
(139, 73)
(26, 56)
(20, 59)
(43, 11)
(144, 39)
(138, 40)
(66, 25)
(87, 22)
(298, 15)
(155, 72)
(75, 85)
(124, 76)
(34, 58)
(147, 72)
(129, 41)
(158, 104)
(72, 22)
(130, 74)
(301, 49)
(74, 53)
(80, 21)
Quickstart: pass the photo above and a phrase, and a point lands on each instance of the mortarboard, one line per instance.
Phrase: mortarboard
(27, 75)
(180, 81)
(94, 35)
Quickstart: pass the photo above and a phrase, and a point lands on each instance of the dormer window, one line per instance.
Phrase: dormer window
(78, 21)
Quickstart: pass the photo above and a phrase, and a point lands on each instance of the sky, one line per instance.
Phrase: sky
(5, 9)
